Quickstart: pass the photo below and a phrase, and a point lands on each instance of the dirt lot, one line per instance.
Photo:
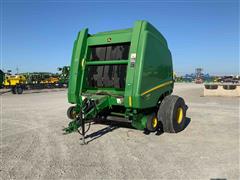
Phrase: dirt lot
(33, 146)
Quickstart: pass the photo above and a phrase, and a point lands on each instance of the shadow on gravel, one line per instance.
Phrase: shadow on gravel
(35, 91)
(188, 120)
(4, 92)
(100, 133)
(43, 91)
(113, 125)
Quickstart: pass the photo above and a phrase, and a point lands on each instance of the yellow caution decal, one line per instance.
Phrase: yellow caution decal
(157, 87)
(130, 101)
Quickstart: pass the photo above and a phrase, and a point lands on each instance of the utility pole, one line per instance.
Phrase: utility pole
(17, 69)
(198, 72)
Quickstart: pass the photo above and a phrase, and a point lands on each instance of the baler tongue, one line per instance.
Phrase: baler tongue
(90, 107)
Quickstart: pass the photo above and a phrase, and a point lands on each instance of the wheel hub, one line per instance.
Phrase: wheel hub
(154, 122)
(179, 115)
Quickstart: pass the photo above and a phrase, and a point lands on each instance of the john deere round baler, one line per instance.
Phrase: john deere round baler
(124, 73)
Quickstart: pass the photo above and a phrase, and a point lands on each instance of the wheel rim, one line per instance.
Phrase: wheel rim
(179, 115)
(74, 114)
(154, 122)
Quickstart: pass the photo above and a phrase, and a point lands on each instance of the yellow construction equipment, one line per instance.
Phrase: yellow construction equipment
(13, 80)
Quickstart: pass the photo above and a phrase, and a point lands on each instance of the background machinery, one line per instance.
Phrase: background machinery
(126, 74)
(15, 82)
(34, 80)
(64, 76)
(199, 76)
(2, 75)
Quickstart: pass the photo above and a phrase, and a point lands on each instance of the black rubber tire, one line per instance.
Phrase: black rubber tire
(167, 114)
(19, 90)
(70, 112)
(150, 124)
(229, 87)
(13, 90)
(211, 86)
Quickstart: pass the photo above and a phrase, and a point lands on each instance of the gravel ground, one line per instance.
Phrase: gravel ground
(33, 145)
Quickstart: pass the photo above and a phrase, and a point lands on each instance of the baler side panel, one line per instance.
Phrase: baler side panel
(149, 27)
(76, 67)
(156, 72)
